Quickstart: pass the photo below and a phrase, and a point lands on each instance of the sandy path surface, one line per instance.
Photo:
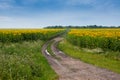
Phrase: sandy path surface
(72, 69)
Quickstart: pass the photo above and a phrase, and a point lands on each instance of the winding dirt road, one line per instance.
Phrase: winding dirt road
(72, 69)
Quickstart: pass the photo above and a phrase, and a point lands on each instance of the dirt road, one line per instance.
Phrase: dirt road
(72, 69)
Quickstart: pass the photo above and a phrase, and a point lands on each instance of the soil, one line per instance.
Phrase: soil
(73, 69)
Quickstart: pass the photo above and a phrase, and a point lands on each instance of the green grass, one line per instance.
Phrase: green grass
(99, 60)
(24, 61)
(49, 49)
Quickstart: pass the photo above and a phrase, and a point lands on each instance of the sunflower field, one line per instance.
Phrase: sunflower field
(107, 39)
(17, 35)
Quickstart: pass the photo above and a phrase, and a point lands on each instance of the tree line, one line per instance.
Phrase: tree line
(88, 26)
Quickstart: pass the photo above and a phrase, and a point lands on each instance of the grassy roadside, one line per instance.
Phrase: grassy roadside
(92, 58)
(24, 61)
(49, 49)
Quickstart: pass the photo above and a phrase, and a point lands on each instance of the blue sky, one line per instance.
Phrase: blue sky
(40, 13)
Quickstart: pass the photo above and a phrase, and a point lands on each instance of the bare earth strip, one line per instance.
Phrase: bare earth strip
(72, 69)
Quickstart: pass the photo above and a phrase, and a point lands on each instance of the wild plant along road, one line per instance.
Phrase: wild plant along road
(72, 69)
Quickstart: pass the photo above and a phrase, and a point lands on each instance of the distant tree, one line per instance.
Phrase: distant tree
(88, 26)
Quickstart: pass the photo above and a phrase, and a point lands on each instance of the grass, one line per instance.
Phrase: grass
(24, 61)
(98, 60)
(50, 50)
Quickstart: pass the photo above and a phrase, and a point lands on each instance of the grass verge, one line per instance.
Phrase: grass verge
(50, 50)
(92, 58)
(24, 61)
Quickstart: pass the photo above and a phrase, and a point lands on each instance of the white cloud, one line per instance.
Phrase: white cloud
(95, 4)
(25, 2)
(103, 5)
(5, 19)
(60, 18)
(79, 2)
(6, 4)
(67, 17)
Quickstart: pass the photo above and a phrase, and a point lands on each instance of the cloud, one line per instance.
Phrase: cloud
(79, 2)
(6, 4)
(103, 4)
(30, 2)
(5, 19)
(26, 2)
(60, 18)
(22, 18)
(93, 4)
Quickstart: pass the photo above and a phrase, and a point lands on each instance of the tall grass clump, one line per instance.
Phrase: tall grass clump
(24, 61)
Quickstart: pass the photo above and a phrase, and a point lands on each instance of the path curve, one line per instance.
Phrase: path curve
(72, 69)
